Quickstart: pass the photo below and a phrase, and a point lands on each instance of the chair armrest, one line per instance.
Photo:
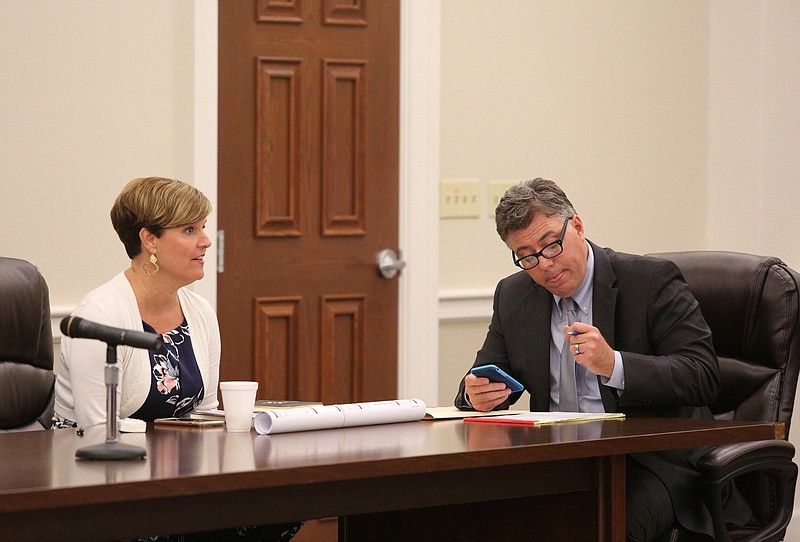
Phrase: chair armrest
(731, 460)
(722, 464)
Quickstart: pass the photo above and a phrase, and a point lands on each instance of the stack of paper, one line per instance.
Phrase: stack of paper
(546, 418)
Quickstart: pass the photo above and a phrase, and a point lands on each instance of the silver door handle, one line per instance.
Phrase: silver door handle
(389, 264)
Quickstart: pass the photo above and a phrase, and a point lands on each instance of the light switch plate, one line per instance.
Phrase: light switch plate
(496, 189)
(459, 198)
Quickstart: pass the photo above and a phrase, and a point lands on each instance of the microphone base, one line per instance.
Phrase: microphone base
(111, 450)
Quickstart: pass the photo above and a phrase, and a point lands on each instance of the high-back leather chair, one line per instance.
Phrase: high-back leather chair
(752, 305)
(26, 348)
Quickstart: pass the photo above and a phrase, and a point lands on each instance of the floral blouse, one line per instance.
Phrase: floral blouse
(176, 385)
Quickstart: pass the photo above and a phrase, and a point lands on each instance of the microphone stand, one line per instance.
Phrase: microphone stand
(111, 448)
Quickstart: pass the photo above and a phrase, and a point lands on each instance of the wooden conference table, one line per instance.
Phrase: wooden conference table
(411, 481)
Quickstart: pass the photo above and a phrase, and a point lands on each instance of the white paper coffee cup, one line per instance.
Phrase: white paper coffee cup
(238, 398)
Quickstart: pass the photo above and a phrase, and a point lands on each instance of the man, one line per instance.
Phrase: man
(635, 339)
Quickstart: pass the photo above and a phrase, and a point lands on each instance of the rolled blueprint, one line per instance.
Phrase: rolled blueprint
(311, 418)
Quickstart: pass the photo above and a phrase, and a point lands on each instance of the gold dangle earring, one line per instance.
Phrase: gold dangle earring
(154, 261)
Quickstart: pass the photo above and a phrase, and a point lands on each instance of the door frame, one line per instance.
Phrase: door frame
(418, 299)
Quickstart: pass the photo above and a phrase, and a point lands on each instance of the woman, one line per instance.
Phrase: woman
(161, 224)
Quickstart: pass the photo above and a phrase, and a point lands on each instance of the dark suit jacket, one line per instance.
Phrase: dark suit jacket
(643, 308)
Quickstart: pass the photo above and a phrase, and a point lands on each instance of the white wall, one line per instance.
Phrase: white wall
(600, 96)
(94, 94)
(754, 128)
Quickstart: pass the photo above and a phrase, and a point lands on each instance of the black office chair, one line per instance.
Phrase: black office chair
(26, 348)
(752, 305)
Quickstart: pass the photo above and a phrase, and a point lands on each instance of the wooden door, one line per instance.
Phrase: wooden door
(308, 195)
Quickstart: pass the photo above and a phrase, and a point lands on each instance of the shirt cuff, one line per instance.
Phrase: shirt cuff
(617, 379)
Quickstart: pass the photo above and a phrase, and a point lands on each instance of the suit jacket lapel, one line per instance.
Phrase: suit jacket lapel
(538, 309)
(604, 300)
(604, 303)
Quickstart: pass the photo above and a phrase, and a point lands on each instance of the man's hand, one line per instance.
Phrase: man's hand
(592, 349)
(485, 395)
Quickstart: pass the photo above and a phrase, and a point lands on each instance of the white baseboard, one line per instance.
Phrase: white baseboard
(464, 306)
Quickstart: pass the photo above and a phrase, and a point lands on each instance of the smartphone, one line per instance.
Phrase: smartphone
(496, 374)
(189, 422)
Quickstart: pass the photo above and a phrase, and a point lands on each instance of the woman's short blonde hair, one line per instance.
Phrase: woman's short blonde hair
(155, 203)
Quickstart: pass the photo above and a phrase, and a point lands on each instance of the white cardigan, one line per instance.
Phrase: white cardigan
(80, 384)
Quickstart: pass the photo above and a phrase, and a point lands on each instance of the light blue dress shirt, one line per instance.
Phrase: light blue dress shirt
(588, 387)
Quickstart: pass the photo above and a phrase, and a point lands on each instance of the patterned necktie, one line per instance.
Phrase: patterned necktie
(568, 394)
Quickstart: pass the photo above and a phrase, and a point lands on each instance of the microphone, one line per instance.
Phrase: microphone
(78, 328)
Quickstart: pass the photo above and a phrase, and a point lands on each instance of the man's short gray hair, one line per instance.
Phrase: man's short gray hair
(525, 201)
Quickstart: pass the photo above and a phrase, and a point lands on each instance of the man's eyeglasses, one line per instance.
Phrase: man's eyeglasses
(550, 251)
